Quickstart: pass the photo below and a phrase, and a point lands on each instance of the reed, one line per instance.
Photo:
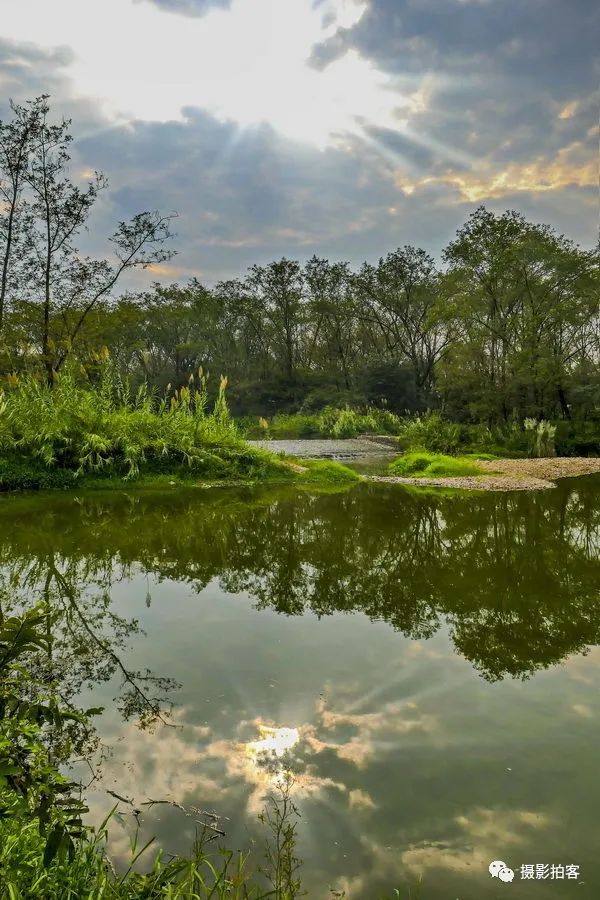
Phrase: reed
(56, 436)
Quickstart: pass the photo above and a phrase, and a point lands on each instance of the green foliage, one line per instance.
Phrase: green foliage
(32, 790)
(298, 425)
(325, 471)
(507, 331)
(57, 437)
(20, 475)
(435, 434)
(578, 438)
(331, 422)
(541, 437)
(432, 433)
(109, 428)
(434, 465)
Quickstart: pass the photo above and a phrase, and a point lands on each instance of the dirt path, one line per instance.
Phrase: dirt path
(550, 468)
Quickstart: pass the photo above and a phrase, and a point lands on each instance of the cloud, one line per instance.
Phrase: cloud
(572, 166)
(247, 63)
(189, 7)
(466, 112)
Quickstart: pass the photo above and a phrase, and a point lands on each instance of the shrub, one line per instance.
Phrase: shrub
(578, 438)
(434, 465)
(329, 472)
(431, 432)
(80, 430)
(21, 475)
(331, 422)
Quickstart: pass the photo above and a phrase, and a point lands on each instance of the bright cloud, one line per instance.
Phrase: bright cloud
(248, 63)
(570, 167)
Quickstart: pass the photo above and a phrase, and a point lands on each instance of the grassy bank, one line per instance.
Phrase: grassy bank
(73, 435)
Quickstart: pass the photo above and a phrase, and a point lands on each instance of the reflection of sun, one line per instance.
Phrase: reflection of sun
(268, 753)
(274, 740)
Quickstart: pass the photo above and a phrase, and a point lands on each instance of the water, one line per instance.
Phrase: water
(426, 663)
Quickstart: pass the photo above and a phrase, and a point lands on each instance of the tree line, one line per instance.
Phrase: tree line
(506, 328)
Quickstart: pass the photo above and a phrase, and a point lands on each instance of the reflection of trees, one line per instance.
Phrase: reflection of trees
(515, 576)
(86, 638)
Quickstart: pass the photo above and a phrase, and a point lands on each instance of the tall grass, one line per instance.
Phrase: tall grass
(331, 422)
(89, 429)
(86, 873)
(73, 430)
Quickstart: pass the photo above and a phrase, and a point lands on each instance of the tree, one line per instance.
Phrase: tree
(16, 141)
(52, 211)
(278, 287)
(525, 301)
(332, 312)
(398, 299)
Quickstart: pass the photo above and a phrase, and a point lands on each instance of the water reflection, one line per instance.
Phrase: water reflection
(514, 576)
(378, 644)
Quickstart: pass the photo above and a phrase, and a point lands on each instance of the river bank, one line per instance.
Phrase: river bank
(499, 474)
(509, 474)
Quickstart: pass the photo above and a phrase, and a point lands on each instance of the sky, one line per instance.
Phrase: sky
(344, 128)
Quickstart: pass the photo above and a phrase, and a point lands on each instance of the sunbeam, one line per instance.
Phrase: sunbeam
(249, 63)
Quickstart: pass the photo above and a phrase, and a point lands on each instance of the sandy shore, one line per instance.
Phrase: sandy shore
(510, 474)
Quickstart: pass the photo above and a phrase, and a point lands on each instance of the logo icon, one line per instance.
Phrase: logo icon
(499, 869)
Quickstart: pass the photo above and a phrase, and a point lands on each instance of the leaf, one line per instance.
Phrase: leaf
(52, 844)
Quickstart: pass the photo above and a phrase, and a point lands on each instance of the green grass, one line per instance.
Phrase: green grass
(330, 422)
(420, 464)
(87, 874)
(325, 471)
(83, 436)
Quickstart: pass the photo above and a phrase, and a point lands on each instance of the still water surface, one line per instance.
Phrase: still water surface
(427, 665)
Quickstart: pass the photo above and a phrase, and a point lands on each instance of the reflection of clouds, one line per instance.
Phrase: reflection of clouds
(262, 763)
(193, 765)
(581, 667)
(483, 833)
(162, 765)
(581, 709)
(421, 650)
(391, 720)
(358, 799)
(173, 764)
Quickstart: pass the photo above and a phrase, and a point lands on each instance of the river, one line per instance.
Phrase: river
(424, 663)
